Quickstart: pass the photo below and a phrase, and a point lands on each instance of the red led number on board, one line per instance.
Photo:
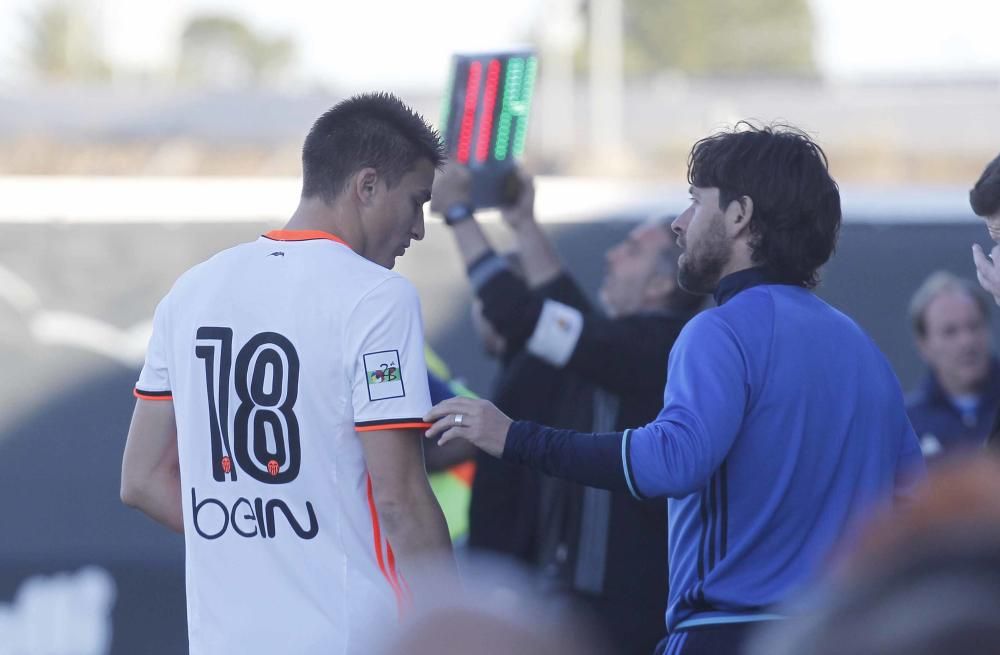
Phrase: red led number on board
(469, 112)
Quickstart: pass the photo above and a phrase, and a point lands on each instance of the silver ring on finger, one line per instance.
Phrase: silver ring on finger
(459, 418)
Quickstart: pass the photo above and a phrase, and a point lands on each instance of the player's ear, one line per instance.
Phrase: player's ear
(364, 185)
(739, 213)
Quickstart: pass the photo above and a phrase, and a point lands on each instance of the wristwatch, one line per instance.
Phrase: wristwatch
(457, 213)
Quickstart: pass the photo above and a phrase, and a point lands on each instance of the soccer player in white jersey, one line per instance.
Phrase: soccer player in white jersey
(279, 409)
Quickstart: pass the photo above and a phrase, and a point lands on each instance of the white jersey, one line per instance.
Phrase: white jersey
(276, 353)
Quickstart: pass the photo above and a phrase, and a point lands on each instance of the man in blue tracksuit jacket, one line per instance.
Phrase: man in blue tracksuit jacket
(782, 422)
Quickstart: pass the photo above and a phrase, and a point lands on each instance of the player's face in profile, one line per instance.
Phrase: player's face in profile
(398, 214)
(701, 233)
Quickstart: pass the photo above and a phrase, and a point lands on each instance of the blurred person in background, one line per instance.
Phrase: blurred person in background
(278, 423)
(781, 420)
(924, 578)
(604, 547)
(954, 408)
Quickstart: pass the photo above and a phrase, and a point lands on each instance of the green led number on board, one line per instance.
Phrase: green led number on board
(515, 104)
(521, 133)
(446, 104)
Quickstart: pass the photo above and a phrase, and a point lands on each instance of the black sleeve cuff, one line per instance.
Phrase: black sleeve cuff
(591, 459)
(485, 268)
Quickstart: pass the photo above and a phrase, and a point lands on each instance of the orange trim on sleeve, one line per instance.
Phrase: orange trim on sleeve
(303, 235)
(145, 395)
(391, 426)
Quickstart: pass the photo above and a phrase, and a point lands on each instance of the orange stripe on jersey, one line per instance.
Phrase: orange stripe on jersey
(397, 579)
(303, 235)
(152, 395)
(392, 426)
(392, 577)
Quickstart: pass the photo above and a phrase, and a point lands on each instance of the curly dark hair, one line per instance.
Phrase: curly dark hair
(376, 130)
(796, 204)
(985, 196)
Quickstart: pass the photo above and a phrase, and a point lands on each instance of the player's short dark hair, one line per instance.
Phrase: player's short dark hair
(371, 130)
(937, 283)
(796, 204)
(985, 196)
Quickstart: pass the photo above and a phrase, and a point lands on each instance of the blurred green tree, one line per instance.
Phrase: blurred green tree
(220, 49)
(710, 37)
(61, 44)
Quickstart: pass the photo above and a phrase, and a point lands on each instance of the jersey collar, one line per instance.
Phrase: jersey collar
(302, 235)
(733, 283)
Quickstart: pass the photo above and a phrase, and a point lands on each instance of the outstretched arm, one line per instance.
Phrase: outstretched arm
(538, 256)
(592, 459)
(673, 455)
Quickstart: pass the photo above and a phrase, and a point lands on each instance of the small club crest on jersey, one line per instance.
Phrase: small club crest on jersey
(384, 375)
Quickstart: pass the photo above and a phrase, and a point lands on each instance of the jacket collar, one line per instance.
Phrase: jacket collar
(733, 283)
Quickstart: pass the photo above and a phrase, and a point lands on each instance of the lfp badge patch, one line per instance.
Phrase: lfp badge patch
(385, 377)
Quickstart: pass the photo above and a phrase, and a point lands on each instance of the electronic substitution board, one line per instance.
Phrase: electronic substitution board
(485, 119)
